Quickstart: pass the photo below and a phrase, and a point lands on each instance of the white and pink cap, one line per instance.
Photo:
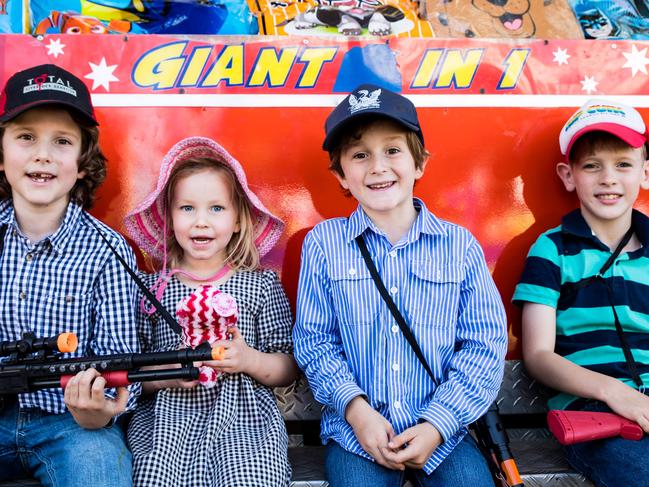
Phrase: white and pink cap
(609, 116)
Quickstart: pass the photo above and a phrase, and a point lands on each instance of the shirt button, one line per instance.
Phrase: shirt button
(352, 272)
(393, 290)
(22, 295)
(395, 367)
(393, 253)
(397, 404)
(69, 299)
(395, 328)
(29, 257)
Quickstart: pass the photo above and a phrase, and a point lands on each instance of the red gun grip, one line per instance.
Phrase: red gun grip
(117, 378)
(631, 431)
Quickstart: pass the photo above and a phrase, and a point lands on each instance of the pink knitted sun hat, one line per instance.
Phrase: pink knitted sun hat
(145, 224)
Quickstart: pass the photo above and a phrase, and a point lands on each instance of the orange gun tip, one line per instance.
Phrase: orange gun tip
(218, 353)
(67, 342)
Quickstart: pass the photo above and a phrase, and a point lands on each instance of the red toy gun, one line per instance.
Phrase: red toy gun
(576, 426)
(36, 363)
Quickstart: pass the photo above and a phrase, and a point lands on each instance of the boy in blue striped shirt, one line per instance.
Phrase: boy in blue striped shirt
(586, 325)
(57, 275)
(384, 417)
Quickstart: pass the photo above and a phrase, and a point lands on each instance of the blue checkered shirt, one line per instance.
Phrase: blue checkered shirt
(69, 281)
(349, 344)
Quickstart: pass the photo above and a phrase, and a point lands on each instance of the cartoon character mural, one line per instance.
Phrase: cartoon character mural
(515, 19)
(162, 16)
(611, 19)
(335, 17)
(142, 16)
(74, 23)
(512, 18)
(350, 20)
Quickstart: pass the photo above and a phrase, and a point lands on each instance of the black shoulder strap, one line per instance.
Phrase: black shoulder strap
(626, 349)
(574, 287)
(149, 295)
(393, 307)
(3, 229)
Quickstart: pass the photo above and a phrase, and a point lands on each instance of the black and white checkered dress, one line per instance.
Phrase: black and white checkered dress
(232, 435)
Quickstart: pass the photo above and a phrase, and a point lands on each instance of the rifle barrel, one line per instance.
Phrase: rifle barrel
(121, 378)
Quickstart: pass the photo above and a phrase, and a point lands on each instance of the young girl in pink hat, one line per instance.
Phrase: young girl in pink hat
(208, 230)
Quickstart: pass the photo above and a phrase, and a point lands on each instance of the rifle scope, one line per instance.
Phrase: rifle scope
(63, 342)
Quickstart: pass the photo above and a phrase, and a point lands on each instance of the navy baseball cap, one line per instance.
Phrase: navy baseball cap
(368, 99)
(46, 84)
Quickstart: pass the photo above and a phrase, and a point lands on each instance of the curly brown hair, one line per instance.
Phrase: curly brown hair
(91, 161)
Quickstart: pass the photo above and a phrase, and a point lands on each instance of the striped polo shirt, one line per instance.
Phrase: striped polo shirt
(585, 327)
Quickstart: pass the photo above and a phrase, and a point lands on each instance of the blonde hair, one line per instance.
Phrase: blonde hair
(241, 252)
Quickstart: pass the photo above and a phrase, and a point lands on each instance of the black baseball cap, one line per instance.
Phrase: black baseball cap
(44, 85)
(369, 99)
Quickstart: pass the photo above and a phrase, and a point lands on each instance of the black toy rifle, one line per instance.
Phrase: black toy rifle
(37, 363)
(494, 440)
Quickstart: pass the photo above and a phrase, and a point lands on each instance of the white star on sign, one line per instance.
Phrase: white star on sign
(636, 60)
(561, 56)
(588, 84)
(101, 74)
(54, 48)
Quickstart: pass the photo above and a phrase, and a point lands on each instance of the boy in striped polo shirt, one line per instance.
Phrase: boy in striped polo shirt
(586, 310)
(384, 416)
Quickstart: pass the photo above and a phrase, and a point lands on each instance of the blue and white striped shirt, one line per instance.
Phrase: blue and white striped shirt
(69, 281)
(349, 344)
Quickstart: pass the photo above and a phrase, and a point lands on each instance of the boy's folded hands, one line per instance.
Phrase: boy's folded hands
(85, 399)
(372, 430)
(414, 446)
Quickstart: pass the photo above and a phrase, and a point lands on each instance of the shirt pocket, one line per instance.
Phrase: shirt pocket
(355, 296)
(434, 293)
(69, 311)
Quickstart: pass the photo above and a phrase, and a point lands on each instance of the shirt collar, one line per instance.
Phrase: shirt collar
(574, 223)
(425, 222)
(60, 236)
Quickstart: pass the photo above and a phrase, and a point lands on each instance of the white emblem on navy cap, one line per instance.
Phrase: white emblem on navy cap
(365, 100)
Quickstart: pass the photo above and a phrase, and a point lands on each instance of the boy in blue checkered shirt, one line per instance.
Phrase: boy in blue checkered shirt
(57, 275)
(586, 323)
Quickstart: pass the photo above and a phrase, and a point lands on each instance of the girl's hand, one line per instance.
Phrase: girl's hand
(85, 399)
(629, 403)
(238, 356)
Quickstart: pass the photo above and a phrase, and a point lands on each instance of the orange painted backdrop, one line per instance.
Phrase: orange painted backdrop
(493, 173)
(491, 170)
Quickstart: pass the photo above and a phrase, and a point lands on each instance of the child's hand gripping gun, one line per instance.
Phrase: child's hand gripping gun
(576, 426)
(36, 363)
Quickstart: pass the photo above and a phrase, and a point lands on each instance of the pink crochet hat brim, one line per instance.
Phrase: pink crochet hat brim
(145, 224)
